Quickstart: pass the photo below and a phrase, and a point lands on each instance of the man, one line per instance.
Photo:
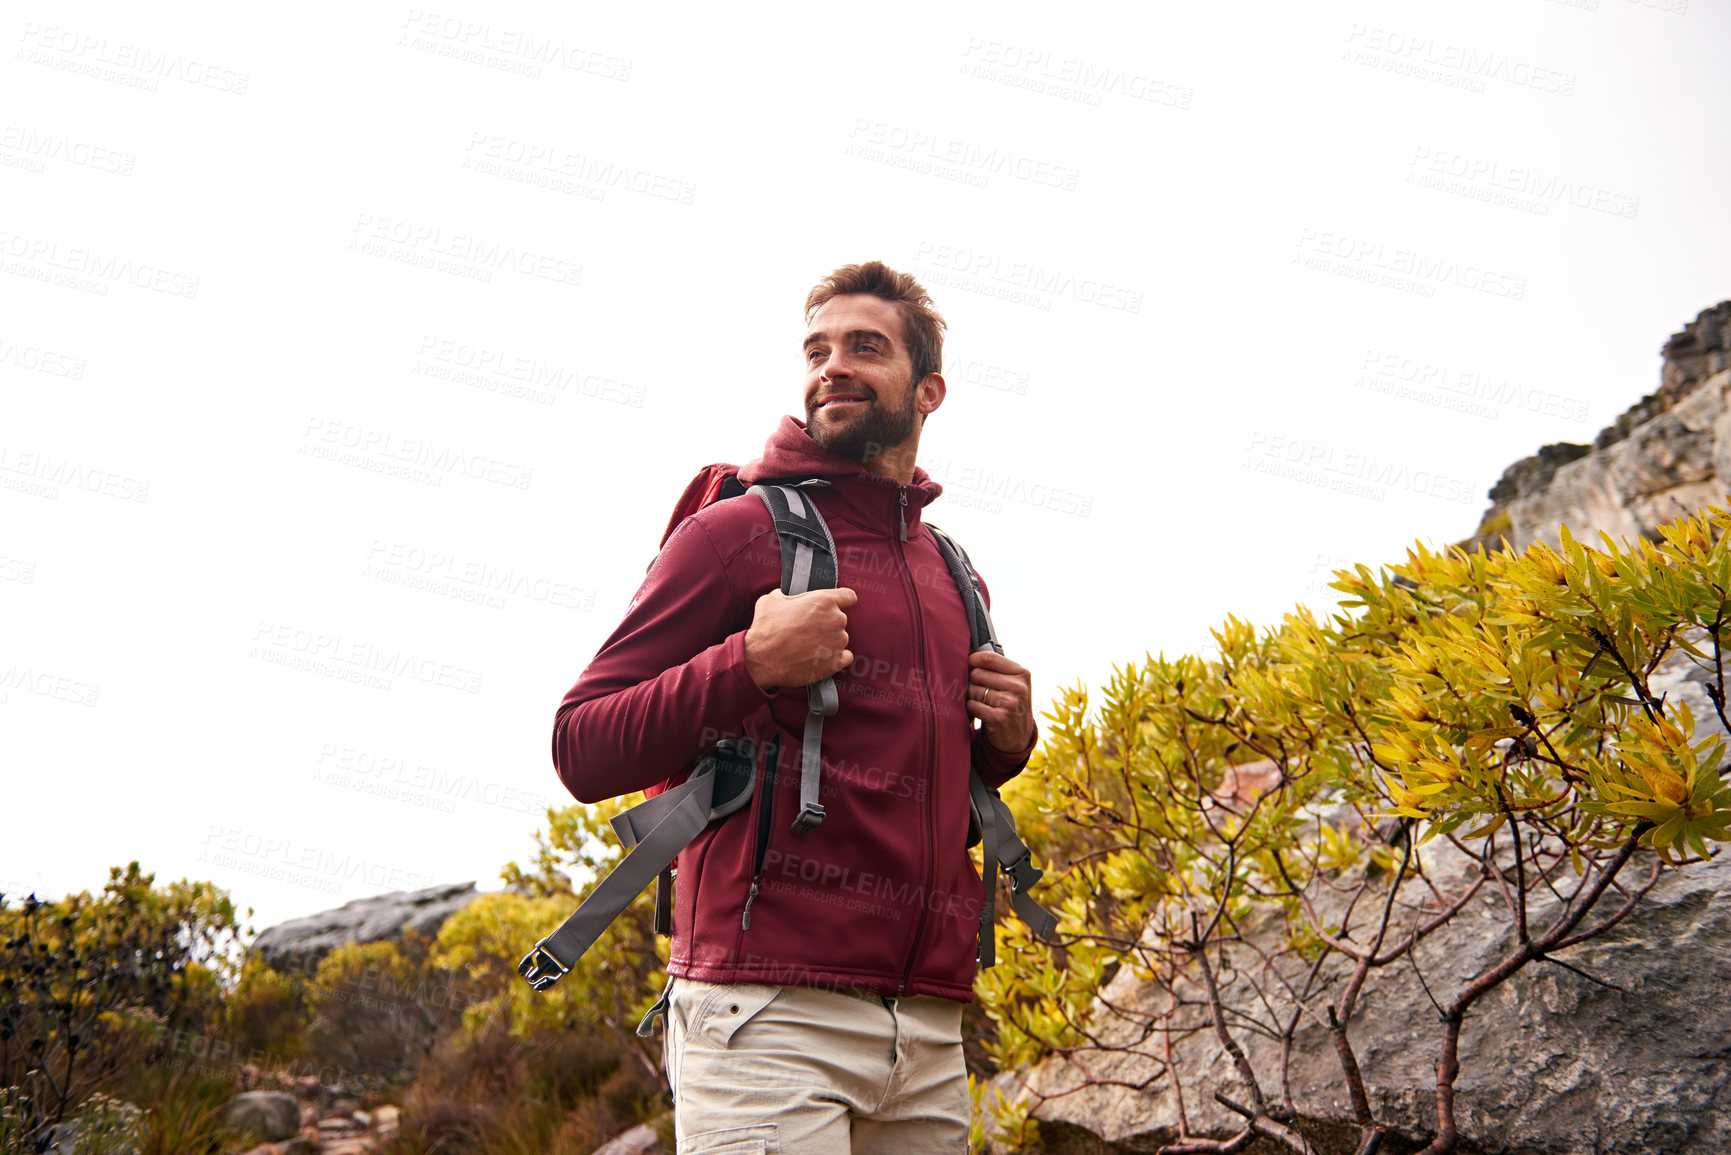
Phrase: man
(818, 978)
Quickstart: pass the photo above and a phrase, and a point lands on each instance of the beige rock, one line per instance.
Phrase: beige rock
(1665, 457)
(269, 1114)
(357, 1146)
(1550, 1061)
(1668, 467)
(640, 1140)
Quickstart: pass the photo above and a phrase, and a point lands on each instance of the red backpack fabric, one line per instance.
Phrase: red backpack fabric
(712, 483)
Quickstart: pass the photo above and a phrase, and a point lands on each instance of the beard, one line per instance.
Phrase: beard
(865, 433)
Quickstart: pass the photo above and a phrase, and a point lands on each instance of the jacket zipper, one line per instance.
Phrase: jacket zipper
(926, 837)
(902, 513)
(765, 815)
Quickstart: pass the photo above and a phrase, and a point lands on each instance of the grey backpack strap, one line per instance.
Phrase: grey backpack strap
(807, 563)
(822, 702)
(654, 831)
(991, 819)
(631, 827)
(982, 635)
(1002, 846)
(664, 901)
(986, 816)
(685, 812)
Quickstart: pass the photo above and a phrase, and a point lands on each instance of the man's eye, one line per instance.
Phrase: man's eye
(813, 354)
(867, 347)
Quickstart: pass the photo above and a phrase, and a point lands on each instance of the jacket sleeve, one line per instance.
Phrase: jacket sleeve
(996, 766)
(668, 682)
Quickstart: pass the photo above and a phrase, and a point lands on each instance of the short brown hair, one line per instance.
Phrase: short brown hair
(922, 328)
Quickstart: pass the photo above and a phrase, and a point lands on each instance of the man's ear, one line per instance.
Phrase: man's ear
(929, 394)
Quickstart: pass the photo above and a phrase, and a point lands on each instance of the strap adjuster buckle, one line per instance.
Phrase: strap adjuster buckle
(541, 968)
(1023, 873)
(810, 817)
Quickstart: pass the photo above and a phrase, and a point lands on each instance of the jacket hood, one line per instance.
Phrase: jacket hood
(791, 452)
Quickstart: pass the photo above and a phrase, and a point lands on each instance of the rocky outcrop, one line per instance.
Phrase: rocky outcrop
(1551, 1062)
(271, 1115)
(1667, 467)
(1665, 457)
(1634, 1061)
(300, 943)
(1626, 1050)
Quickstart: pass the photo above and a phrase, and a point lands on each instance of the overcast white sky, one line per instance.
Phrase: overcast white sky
(342, 339)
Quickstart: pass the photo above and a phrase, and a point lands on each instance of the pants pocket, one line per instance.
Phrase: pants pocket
(726, 1009)
(758, 1140)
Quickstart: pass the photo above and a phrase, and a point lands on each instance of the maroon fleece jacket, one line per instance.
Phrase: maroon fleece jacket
(882, 895)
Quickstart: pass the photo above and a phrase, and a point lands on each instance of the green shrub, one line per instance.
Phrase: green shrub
(378, 1007)
(1499, 704)
(185, 1114)
(267, 1012)
(611, 986)
(90, 984)
(554, 1071)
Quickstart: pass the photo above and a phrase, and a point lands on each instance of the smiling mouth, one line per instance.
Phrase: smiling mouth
(841, 401)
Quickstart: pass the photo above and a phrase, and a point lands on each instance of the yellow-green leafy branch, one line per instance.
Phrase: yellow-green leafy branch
(1288, 817)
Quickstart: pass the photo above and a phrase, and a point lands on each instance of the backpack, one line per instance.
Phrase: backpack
(723, 779)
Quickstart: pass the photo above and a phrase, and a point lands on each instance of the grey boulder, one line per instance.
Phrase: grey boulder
(300, 943)
(270, 1115)
(1550, 1061)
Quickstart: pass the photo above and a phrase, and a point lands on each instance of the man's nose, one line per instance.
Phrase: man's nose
(836, 365)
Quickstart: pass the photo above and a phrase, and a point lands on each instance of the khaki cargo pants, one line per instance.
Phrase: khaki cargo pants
(787, 1070)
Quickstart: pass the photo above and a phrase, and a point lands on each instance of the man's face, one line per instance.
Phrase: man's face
(860, 398)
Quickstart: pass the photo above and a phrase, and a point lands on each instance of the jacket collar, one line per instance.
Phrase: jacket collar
(861, 497)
